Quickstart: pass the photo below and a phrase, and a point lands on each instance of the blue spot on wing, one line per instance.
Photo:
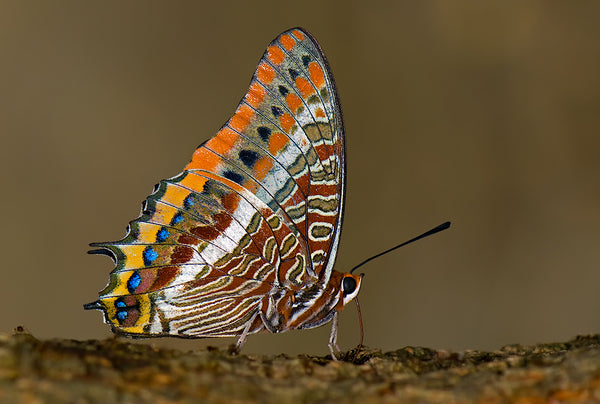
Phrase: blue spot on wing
(149, 256)
(188, 202)
(120, 303)
(162, 235)
(178, 218)
(121, 315)
(134, 280)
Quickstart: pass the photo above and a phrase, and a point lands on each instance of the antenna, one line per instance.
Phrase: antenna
(437, 229)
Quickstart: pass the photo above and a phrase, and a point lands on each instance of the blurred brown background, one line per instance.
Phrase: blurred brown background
(483, 113)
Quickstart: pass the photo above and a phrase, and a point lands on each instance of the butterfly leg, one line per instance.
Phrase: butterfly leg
(333, 337)
(242, 339)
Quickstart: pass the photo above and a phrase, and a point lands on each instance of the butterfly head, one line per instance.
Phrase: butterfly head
(350, 286)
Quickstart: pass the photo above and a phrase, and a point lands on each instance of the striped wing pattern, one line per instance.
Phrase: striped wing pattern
(245, 238)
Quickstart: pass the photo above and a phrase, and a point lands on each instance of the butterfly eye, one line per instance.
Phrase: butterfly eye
(348, 285)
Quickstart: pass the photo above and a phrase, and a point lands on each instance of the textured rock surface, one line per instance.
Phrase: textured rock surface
(106, 371)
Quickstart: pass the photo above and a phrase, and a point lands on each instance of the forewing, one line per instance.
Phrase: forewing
(287, 136)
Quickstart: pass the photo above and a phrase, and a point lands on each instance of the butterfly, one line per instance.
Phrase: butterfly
(245, 238)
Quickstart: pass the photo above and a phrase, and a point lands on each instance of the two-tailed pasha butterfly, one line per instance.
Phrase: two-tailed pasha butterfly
(245, 238)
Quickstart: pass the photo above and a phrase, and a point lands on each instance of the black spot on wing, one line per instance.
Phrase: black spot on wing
(276, 111)
(249, 157)
(233, 176)
(305, 60)
(283, 91)
(264, 133)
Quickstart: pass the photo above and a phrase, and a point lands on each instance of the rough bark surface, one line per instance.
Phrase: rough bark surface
(114, 371)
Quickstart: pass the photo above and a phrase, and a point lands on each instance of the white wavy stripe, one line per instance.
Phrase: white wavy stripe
(205, 322)
(183, 296)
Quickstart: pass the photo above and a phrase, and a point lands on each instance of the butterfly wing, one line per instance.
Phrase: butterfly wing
(258, 209)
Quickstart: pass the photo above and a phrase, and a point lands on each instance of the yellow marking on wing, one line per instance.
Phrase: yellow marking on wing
(175, 195)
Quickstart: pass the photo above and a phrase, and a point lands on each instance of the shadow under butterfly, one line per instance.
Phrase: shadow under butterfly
(245, 238)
